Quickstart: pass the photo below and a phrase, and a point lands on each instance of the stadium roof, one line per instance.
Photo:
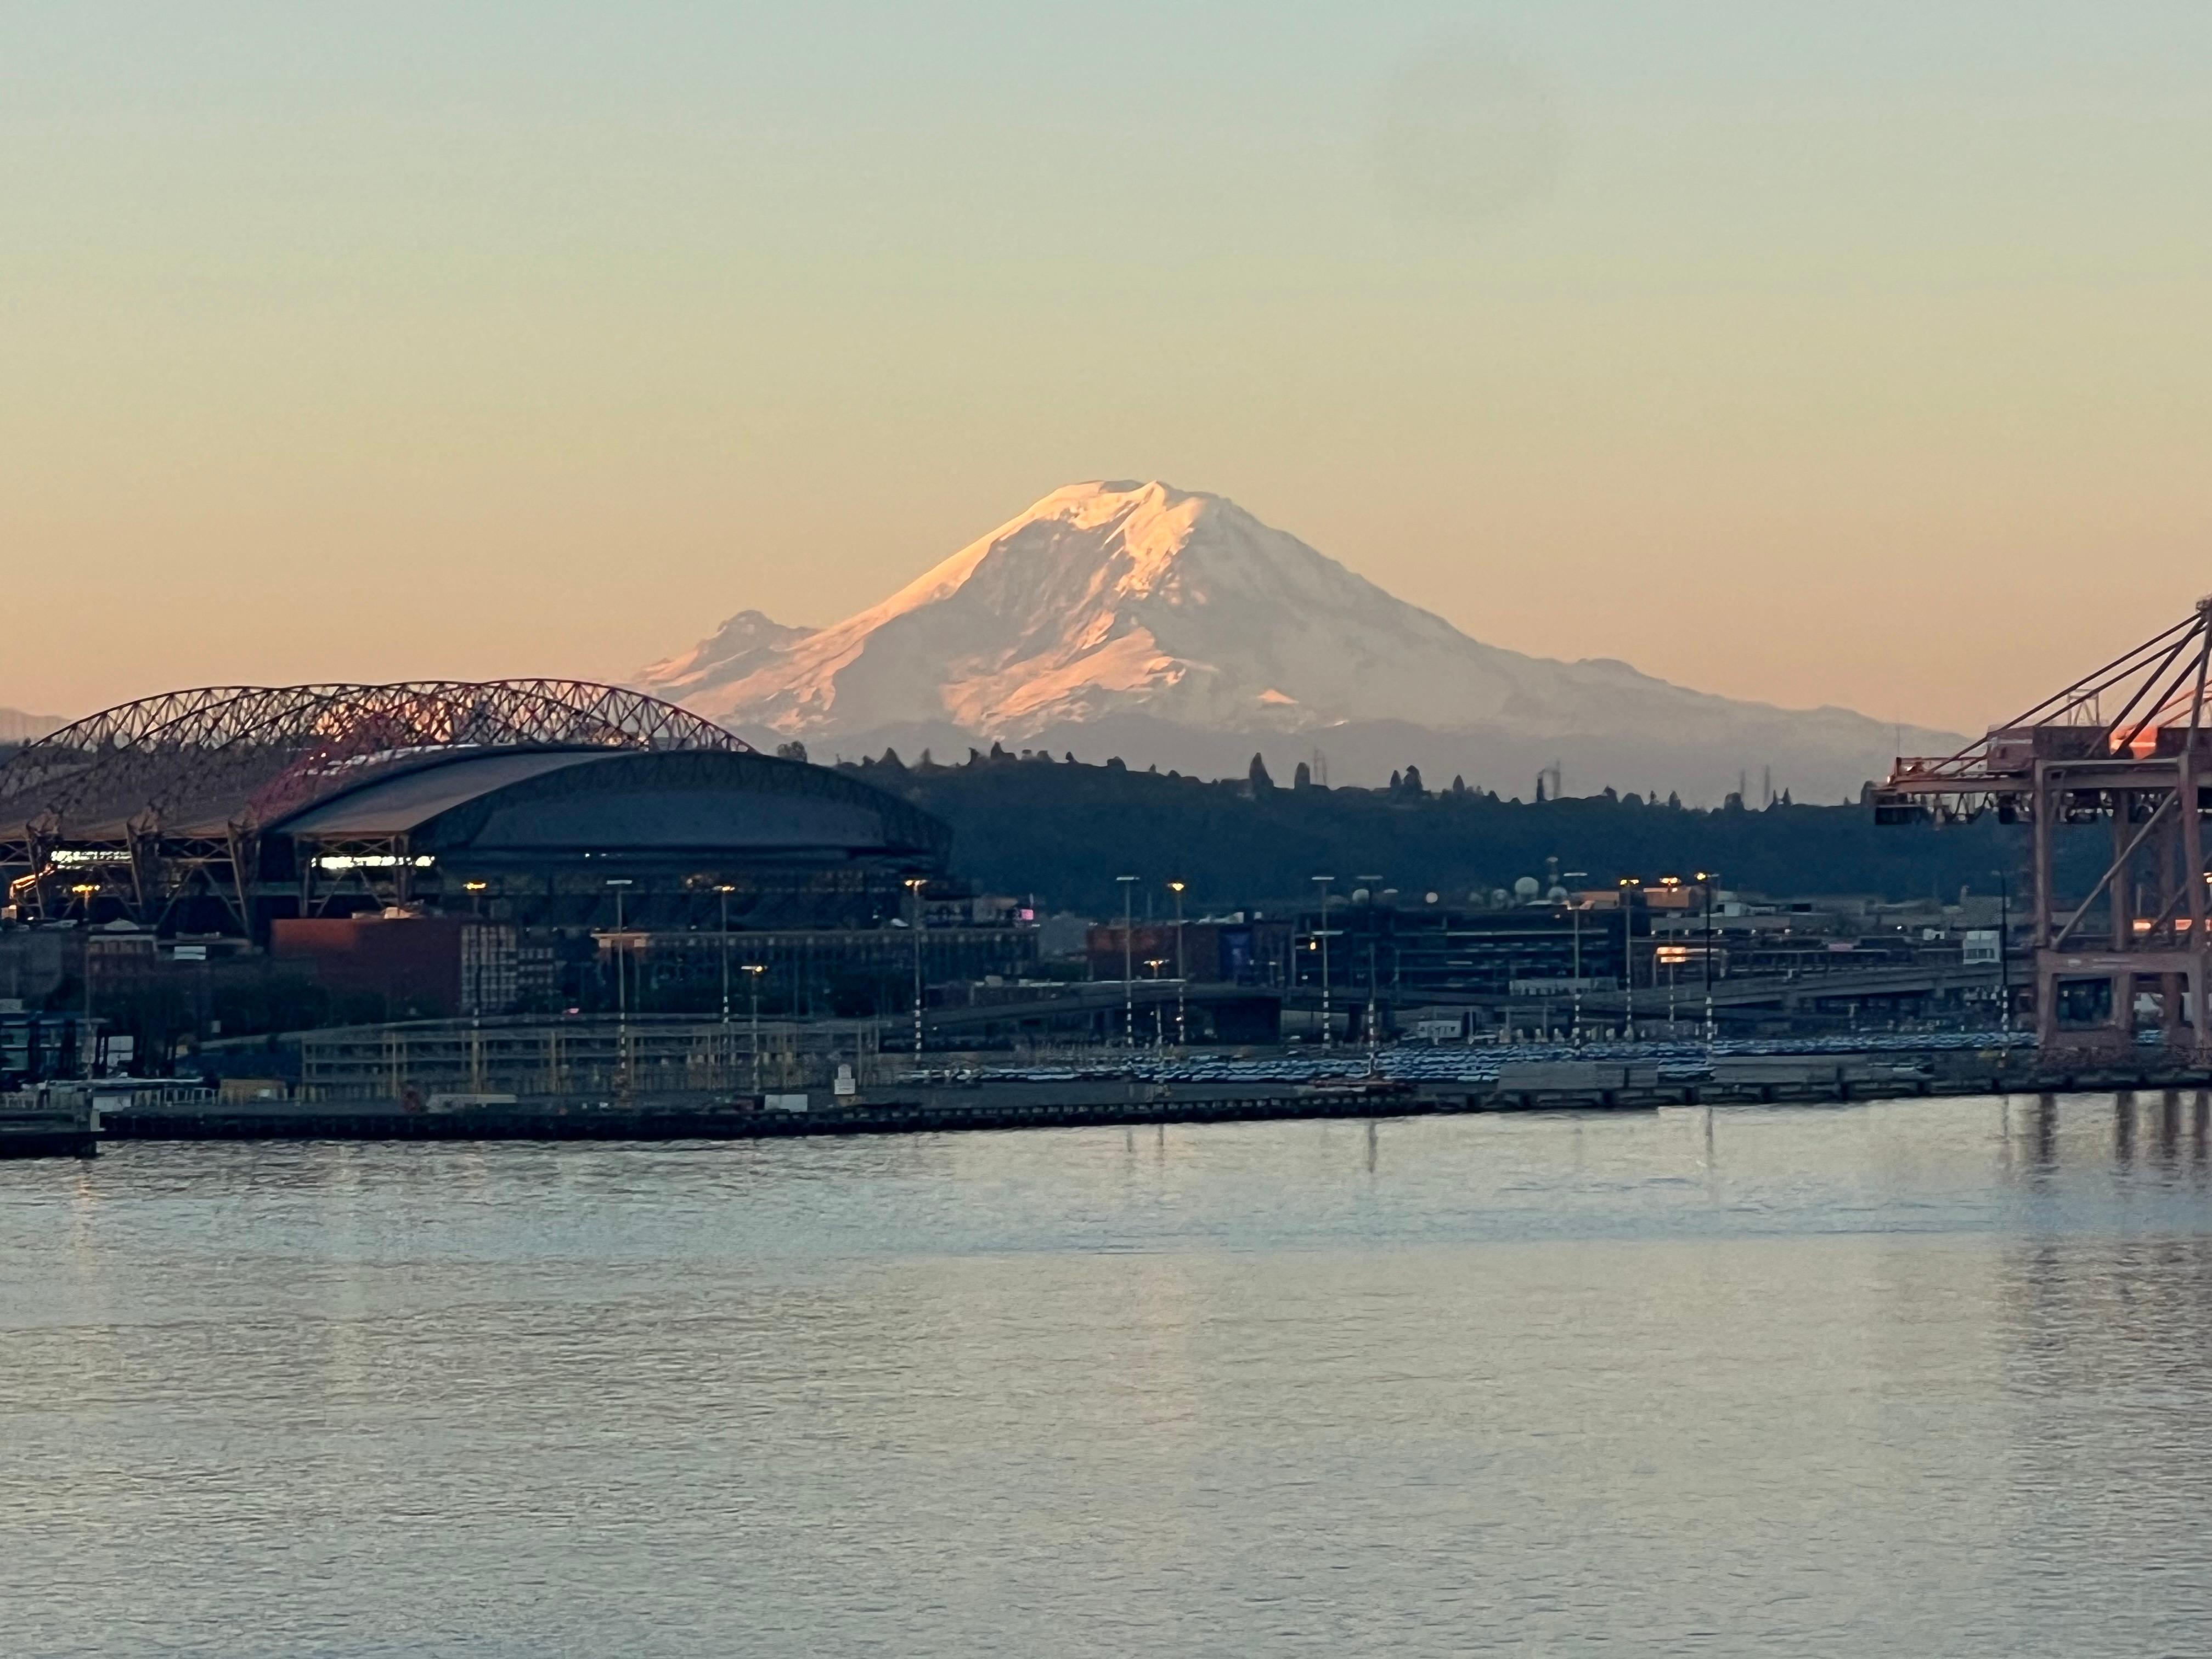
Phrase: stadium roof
(220, 759)
(619, 803)
(386, 805)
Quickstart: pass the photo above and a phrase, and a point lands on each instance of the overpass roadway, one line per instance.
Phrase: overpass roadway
(1788, 991)
(1101, 1003)
(1092, 1001)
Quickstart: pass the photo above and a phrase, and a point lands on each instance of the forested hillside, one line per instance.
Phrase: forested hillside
(1064, 831)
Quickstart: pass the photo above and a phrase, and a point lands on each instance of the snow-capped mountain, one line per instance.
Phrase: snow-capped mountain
(1173, 628)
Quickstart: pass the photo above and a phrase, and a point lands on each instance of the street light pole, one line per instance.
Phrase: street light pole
(1630, 890)
(1327, 1032)
(1706, 877)
(1182, 979)
(755, 969)
(621, 984)
(725, 891)
(2004, 950)
(1574, 979)
(1372, 1020)
(622, 952)
(87, 1047)
(914, 885)
(1128, 962)
(1374, 1005)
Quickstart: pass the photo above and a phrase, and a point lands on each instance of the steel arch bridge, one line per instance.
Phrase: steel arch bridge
(138, 797)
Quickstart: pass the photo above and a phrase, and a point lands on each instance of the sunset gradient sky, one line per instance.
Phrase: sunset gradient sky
(1809, 352)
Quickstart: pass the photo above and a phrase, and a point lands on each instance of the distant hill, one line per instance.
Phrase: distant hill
(1064, 832)
(17, 726)
(1173, 628)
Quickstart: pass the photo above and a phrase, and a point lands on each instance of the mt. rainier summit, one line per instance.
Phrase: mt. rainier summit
(1172, 628)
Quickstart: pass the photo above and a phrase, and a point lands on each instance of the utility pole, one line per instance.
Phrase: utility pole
(1182, 979)
(1327, 1033)
(1128, 962)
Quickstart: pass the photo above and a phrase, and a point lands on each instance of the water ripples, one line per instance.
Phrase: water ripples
(1924, 1376)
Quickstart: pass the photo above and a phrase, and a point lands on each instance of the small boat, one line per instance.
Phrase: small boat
(53, 1120)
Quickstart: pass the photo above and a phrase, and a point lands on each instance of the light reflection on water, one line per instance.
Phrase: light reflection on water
(1928, 1377)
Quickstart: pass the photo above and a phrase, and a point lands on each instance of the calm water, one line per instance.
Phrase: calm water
(1929, 1378)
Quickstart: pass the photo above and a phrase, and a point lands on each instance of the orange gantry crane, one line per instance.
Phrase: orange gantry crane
(2129, 747)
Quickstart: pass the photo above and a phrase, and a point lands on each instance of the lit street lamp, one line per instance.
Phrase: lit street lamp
(85, 892)
(915, 884)
(1673, 954)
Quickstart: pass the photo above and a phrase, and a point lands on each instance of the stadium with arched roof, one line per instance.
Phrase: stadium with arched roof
(222, 809)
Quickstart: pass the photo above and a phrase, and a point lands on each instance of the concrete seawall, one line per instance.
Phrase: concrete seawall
(1009, 1105)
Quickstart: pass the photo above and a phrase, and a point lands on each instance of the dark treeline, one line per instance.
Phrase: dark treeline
(1063, 831)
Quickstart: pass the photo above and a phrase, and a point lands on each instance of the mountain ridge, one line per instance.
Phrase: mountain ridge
(1184, 622)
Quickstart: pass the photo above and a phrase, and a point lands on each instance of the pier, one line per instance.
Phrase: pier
(59, 1121)
(988, 1103)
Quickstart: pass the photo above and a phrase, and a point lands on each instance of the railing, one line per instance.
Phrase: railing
(603, 1057)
